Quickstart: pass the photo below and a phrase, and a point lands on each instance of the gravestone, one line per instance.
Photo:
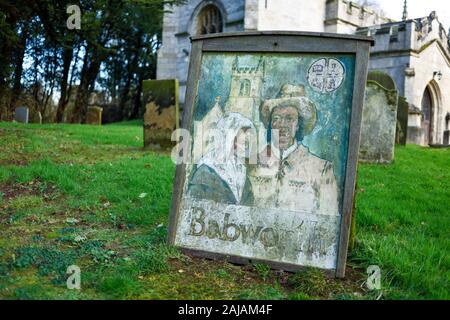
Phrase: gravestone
(161, 112)
(94, 116)
(22, 115)
(402, 121)
(383, 79)
(447, 130)
(379, 124)
(416, 134)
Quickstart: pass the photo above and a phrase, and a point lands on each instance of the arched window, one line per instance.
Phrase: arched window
(209, 20)
(244, 90)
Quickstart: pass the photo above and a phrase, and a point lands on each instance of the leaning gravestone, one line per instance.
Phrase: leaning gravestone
(94, 116)
(387, 82)
(161, 115)
(379, 124)
(402, 121)
(382, 78)
(22, 115)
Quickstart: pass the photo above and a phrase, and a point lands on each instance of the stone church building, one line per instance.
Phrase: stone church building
(414, 52)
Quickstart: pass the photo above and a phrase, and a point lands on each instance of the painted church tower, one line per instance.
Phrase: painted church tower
(245, 91)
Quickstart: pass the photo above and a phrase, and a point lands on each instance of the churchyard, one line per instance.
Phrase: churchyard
(91, 196)
(313, 158)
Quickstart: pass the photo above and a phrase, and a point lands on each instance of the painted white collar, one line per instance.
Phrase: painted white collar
(283, 155)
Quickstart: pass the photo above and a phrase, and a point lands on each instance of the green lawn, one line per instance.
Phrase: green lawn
(91, 196)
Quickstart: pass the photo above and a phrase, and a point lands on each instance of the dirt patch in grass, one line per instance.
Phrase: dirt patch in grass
(23, 198)
(12, 148)
(258, 282)
(34, 187)
(14, 162)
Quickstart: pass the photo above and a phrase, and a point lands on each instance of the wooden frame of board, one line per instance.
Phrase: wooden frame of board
(281, 42)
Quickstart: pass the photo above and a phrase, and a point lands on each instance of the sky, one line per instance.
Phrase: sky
(417, 9)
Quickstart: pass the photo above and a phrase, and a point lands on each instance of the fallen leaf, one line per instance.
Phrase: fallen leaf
(80, 238)
(72, 220)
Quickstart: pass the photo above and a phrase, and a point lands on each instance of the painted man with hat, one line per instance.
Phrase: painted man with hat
(288, 176)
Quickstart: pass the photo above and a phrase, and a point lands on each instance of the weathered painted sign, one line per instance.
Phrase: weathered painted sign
(269, 173)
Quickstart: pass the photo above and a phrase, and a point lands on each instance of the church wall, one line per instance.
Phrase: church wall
(167, 53)
(251, 15)
(292, 15)
(424, 65)
(394, 66)
(391, 52)
(410, 52)
(179, 26)
(344, 16)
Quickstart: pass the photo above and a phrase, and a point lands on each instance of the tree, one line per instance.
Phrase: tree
(114, 51)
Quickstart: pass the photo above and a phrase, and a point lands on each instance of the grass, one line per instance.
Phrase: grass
(403, 222)
(91, 196)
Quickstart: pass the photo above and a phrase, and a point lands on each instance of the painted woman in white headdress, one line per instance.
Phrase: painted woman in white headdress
(221, 175)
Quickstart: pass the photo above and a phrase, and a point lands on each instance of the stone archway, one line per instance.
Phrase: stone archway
(431, 109)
